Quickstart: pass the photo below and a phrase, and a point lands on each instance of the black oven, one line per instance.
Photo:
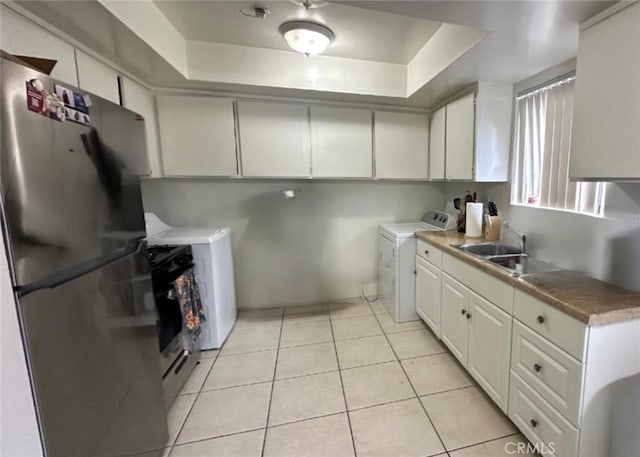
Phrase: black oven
(167, 264)
(178, 354)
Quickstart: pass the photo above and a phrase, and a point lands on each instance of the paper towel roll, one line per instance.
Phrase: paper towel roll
(474, 220)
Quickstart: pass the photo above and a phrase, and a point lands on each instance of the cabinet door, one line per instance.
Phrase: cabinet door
(401, 145)
(455, 305)
(489, 348)
(140, 100)
(341, 142)
(460, 137)
(437, 133)
(274, 140)
(97, 78)
(197, 136)
(19, 36)
(428, 283)
(605, 143)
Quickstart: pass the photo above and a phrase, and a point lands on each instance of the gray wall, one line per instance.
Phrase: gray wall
(606, 248)
(321, 246)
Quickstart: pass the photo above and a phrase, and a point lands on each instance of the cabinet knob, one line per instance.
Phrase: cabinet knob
(415, 272)
(426, 252)
(468, 315)
(534, 423)
(540, 319)
(463, 311)
(537, 367)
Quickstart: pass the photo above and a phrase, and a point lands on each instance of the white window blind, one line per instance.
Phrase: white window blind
(542, 144)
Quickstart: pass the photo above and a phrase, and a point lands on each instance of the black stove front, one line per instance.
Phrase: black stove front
(178, 353)
(167, 264)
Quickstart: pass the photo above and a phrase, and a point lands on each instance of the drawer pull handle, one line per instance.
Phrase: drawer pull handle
(537, 367)
(534, 423)
(464, 311)
(468, 315)
(540, 319)
(426, 252)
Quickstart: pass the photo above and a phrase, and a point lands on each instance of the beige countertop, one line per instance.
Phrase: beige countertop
(589, 300)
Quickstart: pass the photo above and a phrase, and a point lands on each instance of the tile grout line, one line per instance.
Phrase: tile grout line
(344, 395)
(484, 442)
(211, 438)
(197, 394)
(273, 383)
(413, 388)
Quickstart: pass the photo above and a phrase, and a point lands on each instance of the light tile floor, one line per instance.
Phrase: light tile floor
(340, 379)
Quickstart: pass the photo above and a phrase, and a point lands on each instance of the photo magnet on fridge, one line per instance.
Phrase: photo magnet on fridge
(43, 102)
(72, 99)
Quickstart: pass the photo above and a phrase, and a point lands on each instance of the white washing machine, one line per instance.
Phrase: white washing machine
(213, 268)
(397, 263)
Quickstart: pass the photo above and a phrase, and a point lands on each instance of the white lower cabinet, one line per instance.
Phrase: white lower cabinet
(489, 348)
(571, 388)
(455, 304)
(478, 333)
(542, 425)
(428, 286)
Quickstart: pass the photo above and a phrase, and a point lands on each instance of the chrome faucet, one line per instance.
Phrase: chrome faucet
(521, 237)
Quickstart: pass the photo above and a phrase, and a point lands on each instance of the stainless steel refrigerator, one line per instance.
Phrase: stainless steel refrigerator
(73, 225)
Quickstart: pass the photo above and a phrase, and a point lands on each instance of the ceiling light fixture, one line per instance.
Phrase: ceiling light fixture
(307, 37)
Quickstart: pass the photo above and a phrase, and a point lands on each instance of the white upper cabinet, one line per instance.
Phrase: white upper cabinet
(401, 145)
(197, 136)
(341, 142)
(460, 136)
(97, 78)
(140, 100)
(21, 37)
(274, 139)
(478, 132)
(437, 134)
(605, 143)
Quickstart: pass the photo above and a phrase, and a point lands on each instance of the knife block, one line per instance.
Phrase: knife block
(492, 232)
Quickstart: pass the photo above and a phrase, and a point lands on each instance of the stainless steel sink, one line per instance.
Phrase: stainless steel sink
(522, 264)
(488, 249)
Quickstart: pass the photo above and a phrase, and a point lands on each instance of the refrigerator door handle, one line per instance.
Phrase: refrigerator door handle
(81, 269)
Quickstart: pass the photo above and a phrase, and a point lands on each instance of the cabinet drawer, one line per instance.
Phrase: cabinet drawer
(429, 252)
(539, 422)
(553, 324)
(497, 292)
(549, 370)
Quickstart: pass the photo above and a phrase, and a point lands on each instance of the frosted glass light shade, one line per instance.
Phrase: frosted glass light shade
(309, 38)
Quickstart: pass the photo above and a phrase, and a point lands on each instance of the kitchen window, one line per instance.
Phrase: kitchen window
(542, 142)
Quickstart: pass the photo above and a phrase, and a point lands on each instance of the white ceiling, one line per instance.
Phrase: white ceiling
(526, 37)
(359, 33)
